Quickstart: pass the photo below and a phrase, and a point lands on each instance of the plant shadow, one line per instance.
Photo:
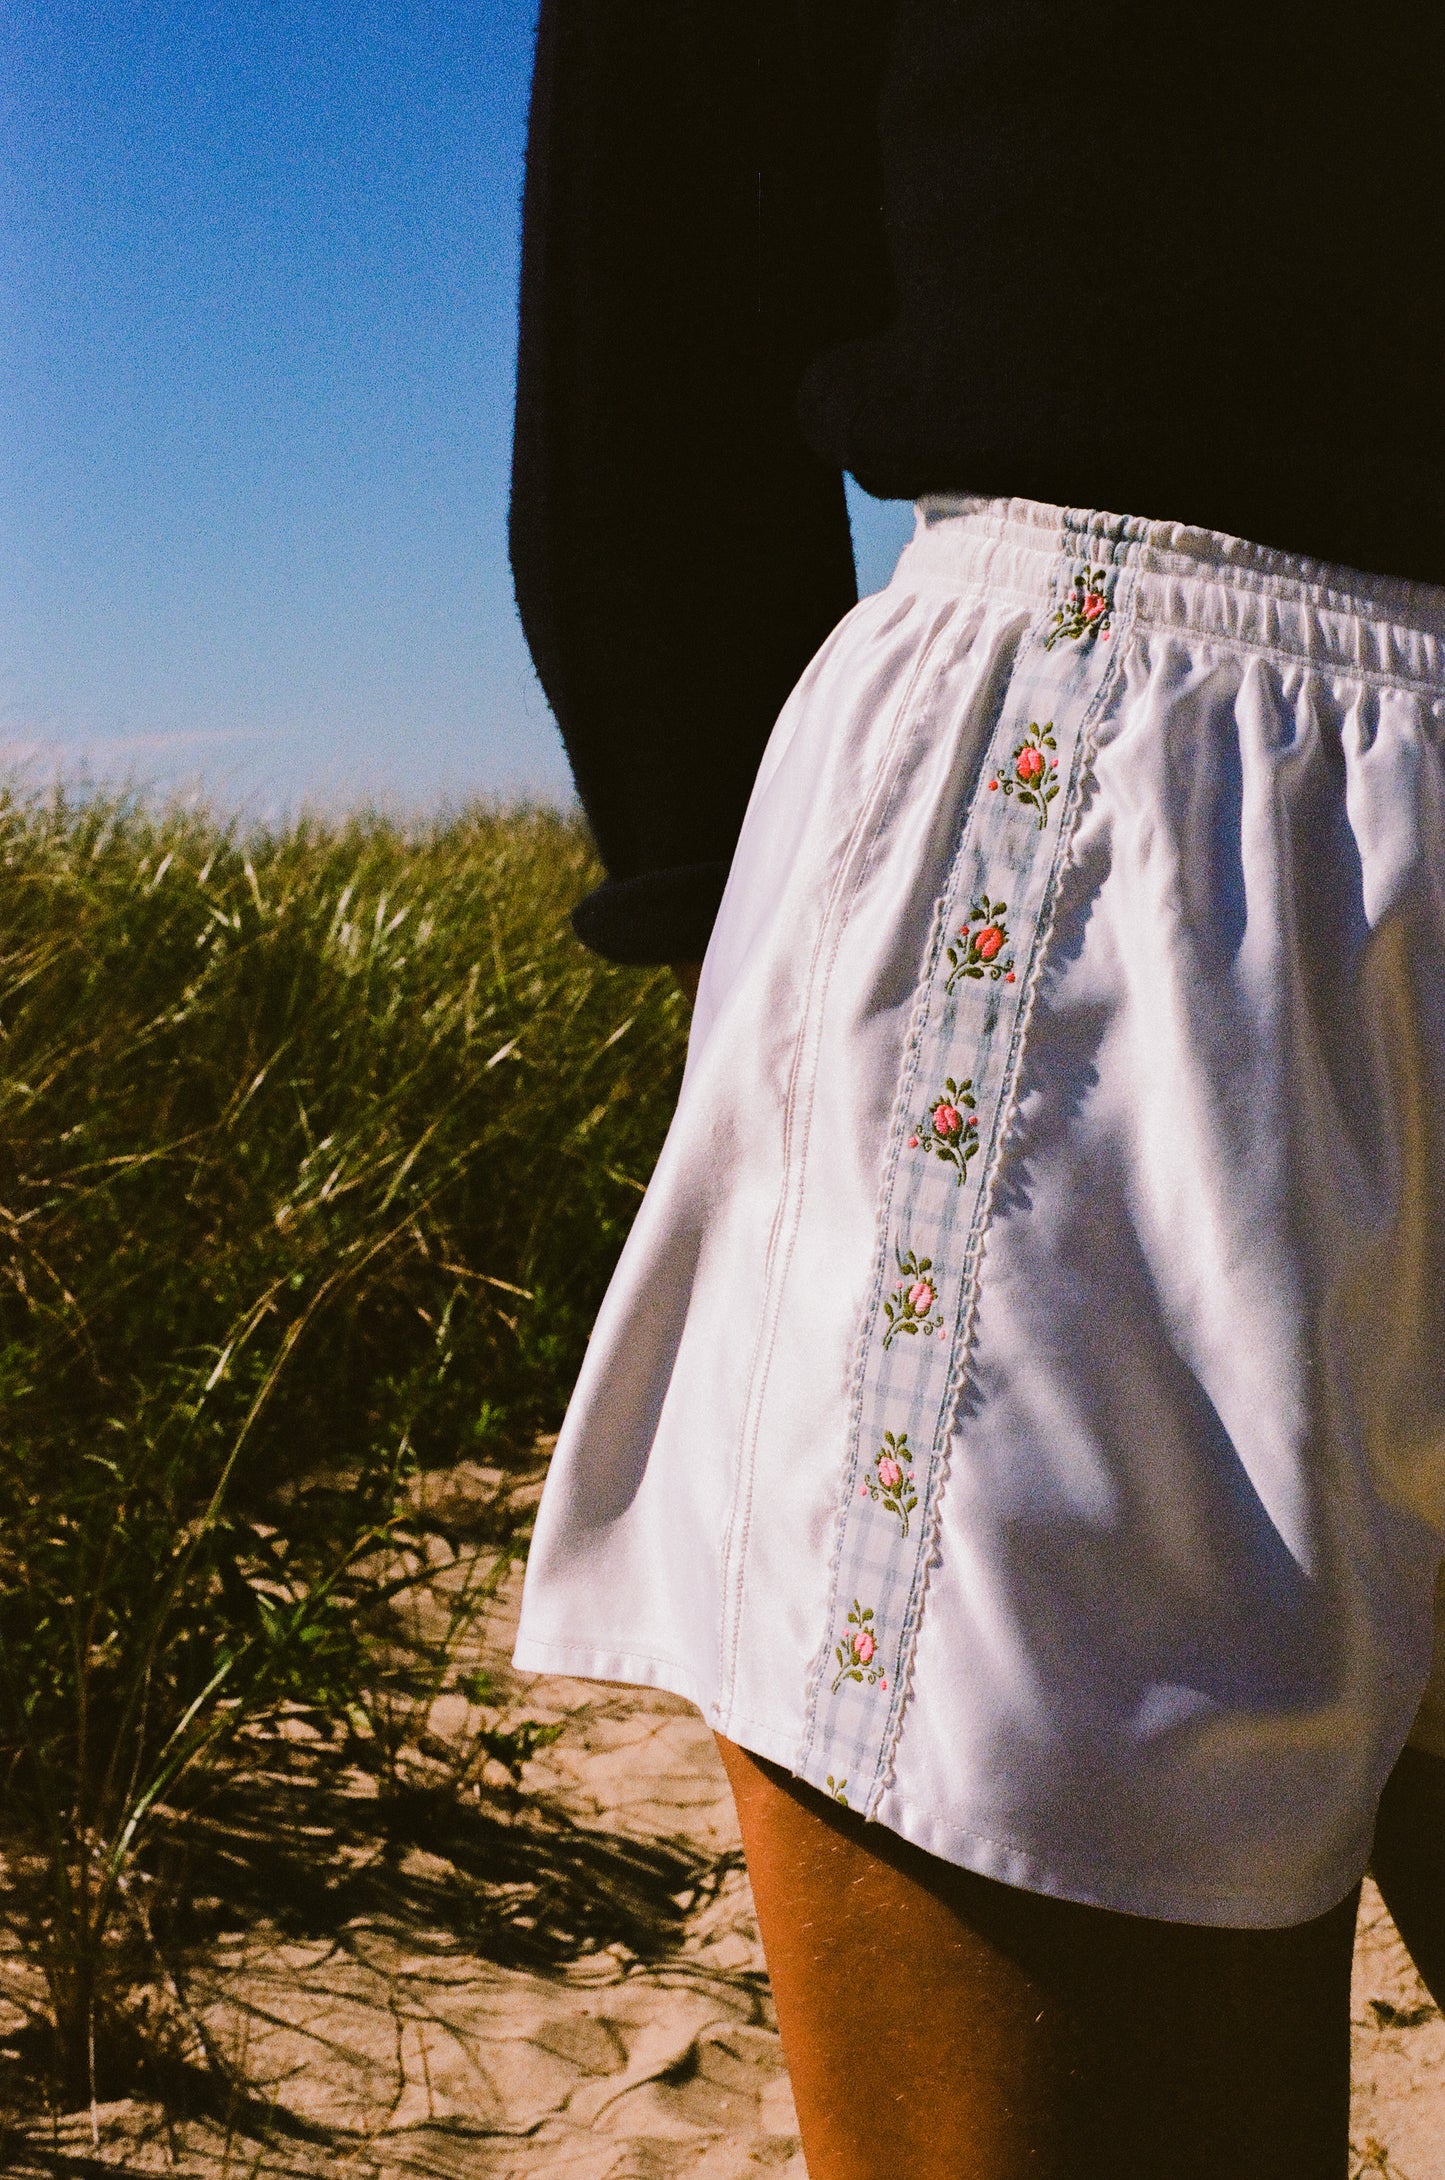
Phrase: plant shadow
(303, 1843)
(315, 1846)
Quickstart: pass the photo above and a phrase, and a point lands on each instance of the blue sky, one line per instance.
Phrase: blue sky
(259, 265)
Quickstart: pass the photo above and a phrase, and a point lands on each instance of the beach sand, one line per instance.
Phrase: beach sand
(389, 2051)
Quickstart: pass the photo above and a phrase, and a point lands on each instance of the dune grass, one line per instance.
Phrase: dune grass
(317, 1146)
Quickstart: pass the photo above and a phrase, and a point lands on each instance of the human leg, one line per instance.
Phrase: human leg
(939, 2023)
(1409, 1860)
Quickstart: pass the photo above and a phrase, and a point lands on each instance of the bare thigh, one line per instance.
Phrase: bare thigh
(937, 2023)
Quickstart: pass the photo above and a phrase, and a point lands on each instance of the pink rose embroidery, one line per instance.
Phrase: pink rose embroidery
(1031, 772)
(948, 1128)
(910, 1307)
(857, 1653)
(1085, 612)
(891, 1483)
(979, 952)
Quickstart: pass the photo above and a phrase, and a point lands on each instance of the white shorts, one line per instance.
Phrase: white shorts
(1019, 1409)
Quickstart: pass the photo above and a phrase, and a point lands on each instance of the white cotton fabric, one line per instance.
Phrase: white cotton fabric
(1176, 1620)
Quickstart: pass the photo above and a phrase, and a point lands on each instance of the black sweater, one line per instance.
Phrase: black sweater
(1180, 262)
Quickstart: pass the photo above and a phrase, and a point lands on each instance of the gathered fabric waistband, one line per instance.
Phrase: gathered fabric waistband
(1372, 627)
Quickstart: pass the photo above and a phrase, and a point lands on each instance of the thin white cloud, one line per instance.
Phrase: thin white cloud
(84, 747)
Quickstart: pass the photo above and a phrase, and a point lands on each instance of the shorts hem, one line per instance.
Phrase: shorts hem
(1149, 1896)
(1027, 1867)
(631, 1668)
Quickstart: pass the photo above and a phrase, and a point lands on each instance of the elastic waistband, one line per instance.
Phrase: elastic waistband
(1171, 575)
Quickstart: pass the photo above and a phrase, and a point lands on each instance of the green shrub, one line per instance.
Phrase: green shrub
(316, 1149)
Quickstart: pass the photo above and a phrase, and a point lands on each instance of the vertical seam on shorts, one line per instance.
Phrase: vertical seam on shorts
(866, 1649)
(779, 1254)
(929, 1550)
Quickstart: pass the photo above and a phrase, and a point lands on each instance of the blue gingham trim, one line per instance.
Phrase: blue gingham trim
(935, 1198)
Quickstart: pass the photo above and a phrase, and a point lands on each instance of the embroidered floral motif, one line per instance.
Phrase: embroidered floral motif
(910, 1307)
(1032, 773)
(857, 1654)
(1086, 613)
(838, 1789)
(980, 949)
(950, 1127)
(890, 1524)
(891, 1484)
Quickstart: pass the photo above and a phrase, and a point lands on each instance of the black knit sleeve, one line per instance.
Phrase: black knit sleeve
(678, 551)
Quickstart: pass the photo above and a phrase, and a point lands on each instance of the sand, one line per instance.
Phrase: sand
(388, 2049)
